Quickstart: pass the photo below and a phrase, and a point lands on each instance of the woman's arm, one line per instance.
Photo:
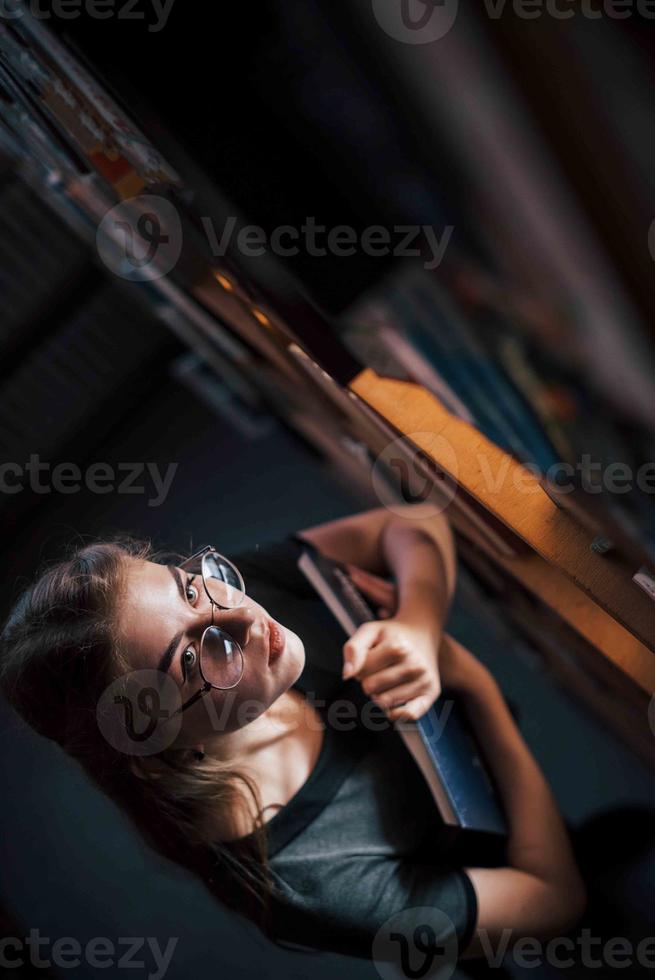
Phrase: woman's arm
(396, 658)
(424, 563)
(363, 539)
(541, 892)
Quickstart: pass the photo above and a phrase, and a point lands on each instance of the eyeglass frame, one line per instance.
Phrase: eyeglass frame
(207, 686)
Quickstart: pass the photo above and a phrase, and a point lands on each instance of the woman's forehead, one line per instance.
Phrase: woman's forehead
(149, 603)
(146, 576)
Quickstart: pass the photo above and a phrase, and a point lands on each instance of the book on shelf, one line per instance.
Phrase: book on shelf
(374, 337)
(645, 578)
(411, 325)
(446, 753)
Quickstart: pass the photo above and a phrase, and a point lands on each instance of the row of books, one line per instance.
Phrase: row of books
(481, 367)
(413, 324)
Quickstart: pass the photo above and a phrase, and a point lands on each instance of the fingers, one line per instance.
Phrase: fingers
(369, 579)
(386, 680)
(402, 690)
(411, 711)
(356, 649)
(404, 701)
(386, 653)
(376, 589)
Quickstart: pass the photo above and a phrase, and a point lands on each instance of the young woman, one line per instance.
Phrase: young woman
(208, 697)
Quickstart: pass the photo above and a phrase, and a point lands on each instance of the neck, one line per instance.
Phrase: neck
(273, 725)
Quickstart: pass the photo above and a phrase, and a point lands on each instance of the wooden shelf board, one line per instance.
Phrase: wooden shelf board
(513, 494)
(573, 606)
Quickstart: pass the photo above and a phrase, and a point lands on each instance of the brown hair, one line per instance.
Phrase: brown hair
(58, 653)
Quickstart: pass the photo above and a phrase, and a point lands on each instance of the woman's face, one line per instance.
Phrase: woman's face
(162, 615)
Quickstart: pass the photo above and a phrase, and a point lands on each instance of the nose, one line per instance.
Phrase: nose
(238, 622)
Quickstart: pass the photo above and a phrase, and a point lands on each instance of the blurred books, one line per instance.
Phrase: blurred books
(482, 365)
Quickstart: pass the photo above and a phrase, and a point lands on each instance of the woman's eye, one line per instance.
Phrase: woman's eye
(191, 591)
(188, 660)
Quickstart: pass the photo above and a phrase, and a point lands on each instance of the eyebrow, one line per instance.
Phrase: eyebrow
(175, 572)
(168, 654)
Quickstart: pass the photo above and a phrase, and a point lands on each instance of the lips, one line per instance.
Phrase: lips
(277, 640)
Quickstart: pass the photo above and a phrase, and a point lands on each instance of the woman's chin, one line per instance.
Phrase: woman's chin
(294, 654)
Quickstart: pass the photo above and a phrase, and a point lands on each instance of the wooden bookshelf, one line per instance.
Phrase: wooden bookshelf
(591, 592)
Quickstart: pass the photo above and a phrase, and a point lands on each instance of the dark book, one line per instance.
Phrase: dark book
(441, 742)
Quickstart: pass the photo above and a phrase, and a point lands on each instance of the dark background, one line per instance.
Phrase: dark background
(287, 110)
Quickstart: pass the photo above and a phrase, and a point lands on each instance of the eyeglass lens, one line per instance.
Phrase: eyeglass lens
(221, 657)
(222, 581)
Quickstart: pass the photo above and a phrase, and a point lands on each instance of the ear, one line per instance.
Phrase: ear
(147, 766)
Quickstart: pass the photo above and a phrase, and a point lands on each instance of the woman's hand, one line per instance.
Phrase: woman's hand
(382, 594)
(396, 663)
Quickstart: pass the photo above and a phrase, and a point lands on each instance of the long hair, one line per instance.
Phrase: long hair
(59, 651)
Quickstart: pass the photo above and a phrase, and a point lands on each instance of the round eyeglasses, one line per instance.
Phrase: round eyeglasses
(220, 658)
